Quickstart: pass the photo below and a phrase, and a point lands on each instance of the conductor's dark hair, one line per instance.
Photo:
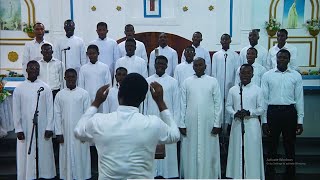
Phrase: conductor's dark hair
(93, 46)
(246, 65)
(284, 51)
(102, 24)
(133, 90)
(71, 70)
(161, 57)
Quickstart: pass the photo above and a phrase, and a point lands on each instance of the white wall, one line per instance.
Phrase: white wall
(247, 14)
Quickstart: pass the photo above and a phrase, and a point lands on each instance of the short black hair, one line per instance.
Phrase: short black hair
(283, 31)
(33, 62)
(93, 46)
(252, 48)
(131, 40)
(38, 23)
(69, 21)
(70, 70)
(133, 90)
(246, 65)
(161, 57)
(284, 51)
(197, 32)
(102, 24)
(225, 34)
(46, 45)
(128, 25)
(190, 47)
(121, 68)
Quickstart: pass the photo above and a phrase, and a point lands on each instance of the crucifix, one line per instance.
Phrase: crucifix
(152, 5)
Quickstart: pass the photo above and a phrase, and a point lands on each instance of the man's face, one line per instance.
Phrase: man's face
(160, 66)
(253, 38)
(251, 56)
(245, 75)
(33, 70)
(39, 30)
(281, 37)
(93, 55)
(196, 39)
(120, 75)
(199, 66)
(189, 54)
(163, 40)
(47, 52)
(102, 32)
(71, 79)
(130, 48)
(129, 32)
(69, 28)
(225, 41)
(282, 60)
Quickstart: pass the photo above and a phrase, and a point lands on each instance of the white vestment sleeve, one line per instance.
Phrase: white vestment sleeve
(214, 66)
(176, 103)
(84, 129)
(174, 61)
(265, 90)
(298, 95)
(229, 104)
(169, 132)
(144, 55)
(208, 62)
(183, 106)
(17, 116)
(260, 109)
(83, 55)
(58, 115)
(151, 63)
(25, 59)
(144, 70)
(217, 105)
(81, 78)
(49, 106)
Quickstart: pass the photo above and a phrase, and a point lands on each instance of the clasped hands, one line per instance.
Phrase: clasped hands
(242, 113)
(48, 134)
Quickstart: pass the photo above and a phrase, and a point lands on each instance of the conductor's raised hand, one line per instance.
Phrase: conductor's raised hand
(157, 95)
(101, 95)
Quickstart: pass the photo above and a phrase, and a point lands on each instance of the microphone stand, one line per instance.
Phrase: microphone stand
(224, 105)
(242, 130)
(35, 128)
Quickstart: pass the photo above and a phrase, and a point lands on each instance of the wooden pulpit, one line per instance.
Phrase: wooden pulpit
(160, 152)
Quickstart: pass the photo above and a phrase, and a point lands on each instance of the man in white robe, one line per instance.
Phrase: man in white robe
(73, 46)
(259, 70)
(200, 124)
(70, 104)
(262, 51)
(111, 104)
(109, 50)
(225, 63)
(32, 49)
(185, 69)
(200, 51)
(94, 74)
(24, 106)
(167, 167)
(131, 62)
(253, 106)
(282, 36)
(166, 51)
(126, 140)
(140, 50)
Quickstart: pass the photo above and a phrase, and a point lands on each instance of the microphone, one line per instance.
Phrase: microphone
(225, 56)
(40, 89)
(65, 49)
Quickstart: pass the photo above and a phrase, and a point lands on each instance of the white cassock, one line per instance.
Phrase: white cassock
(140, 50)
(92, 77)
(258, 72)
(24, 106)
(111, 104)
(183, 71)
(253, 101)
(32, 51)
(225, 72)
(170, 54)
(167, 167)
(133, 64)
(261, 56)
(76, 56)
(203, 53)
(74, 155)
(200, 112)
(272, 56)
(109, 51)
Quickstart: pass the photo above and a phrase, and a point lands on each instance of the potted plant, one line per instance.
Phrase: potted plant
(313, 26)
(272, 26)
(28, 28)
